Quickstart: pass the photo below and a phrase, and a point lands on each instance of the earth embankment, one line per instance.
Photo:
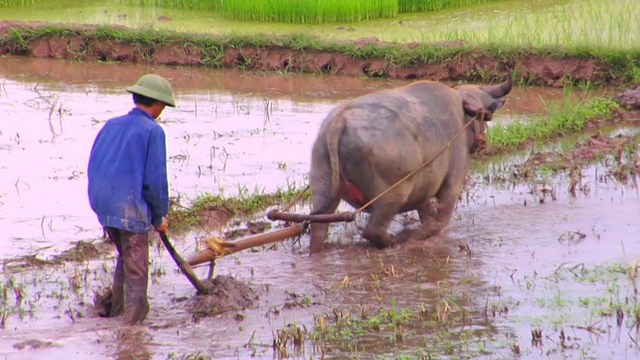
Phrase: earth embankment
(447, 61)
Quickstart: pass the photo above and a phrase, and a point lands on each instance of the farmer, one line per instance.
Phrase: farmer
(128, 190)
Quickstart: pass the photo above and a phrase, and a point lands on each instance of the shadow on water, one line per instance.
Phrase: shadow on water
(514, 276)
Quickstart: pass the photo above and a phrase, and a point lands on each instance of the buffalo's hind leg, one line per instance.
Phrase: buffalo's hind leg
(324, 202)
(320, 231)
(376, 230)
(382, 213)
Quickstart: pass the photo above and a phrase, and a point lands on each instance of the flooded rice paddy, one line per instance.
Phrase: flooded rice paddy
(527, 269)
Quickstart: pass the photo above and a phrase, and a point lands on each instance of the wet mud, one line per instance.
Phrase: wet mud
(513, 277)
(227, 294)
(630, 99)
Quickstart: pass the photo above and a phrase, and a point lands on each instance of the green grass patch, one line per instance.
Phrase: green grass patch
(433, 5)
(246, 203)
(566, 116)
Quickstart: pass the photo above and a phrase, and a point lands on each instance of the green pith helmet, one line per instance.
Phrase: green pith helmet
(154, 87)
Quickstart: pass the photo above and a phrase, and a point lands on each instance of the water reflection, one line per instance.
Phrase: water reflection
(231, 132)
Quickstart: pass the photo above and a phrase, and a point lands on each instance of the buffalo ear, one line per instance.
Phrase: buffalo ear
(469, 109)
(476, 112)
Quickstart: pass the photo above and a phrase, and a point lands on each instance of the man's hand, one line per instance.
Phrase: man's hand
(164, 227)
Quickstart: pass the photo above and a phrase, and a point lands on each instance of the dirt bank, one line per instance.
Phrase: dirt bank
(451, 61)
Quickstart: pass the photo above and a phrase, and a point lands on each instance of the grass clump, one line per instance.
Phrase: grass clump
(244, 204)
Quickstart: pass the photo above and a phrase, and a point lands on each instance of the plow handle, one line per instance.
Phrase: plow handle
(202, 288)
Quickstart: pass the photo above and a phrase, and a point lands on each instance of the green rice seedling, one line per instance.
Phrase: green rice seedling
(16, 3)
(309, 11)
(610, 25)
(177, 4)
(405, 6)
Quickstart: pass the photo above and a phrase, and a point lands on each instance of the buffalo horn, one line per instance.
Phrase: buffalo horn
(498, 91)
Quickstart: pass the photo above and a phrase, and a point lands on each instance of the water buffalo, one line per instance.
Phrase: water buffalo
(367, 144)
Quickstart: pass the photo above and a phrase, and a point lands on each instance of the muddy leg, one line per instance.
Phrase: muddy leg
(320, 232)
(447, 198)
(381, 216)
(325, 200)
(135, 254)
(117, 288)
(427, 214)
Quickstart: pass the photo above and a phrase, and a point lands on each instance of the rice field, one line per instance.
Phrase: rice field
(577, 24)
(582, 27)
(309, 11)
(405, 6)
(8, 3)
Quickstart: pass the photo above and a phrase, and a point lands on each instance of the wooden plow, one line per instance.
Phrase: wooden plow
(219, 248)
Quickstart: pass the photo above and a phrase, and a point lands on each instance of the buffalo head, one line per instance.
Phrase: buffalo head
(480, 102)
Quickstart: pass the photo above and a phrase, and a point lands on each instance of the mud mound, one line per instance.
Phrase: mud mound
(227, 294)
(83, 251)
(591, 149)
(630, 99)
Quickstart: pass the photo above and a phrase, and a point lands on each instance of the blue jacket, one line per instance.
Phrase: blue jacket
(127, 173)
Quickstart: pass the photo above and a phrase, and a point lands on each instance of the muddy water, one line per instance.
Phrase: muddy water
(231, 131)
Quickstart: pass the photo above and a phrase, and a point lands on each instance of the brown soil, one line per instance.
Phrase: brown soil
(533, 68)
(622, 148)
(630, 99)
(227, 294)
(250, 229)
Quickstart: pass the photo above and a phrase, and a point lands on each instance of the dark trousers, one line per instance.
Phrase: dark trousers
(131, 277)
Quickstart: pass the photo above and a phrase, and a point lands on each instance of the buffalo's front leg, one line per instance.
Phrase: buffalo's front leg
(447, 199)
(427, 214)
